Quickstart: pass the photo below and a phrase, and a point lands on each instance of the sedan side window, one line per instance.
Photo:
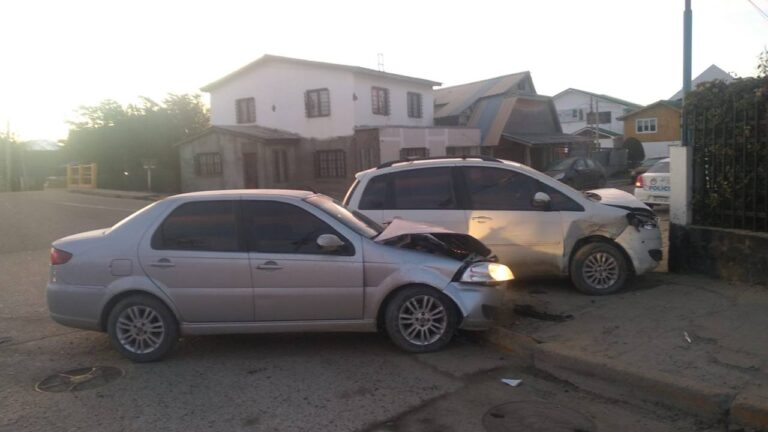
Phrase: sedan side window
(424, 189)
(499, 189)
(278, 227)
(199, 226)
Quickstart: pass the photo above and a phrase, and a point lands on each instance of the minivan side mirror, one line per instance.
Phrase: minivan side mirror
(329, 242)
(541, 200)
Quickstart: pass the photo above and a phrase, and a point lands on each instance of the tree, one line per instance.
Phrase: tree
(119, 137)
(635, 151)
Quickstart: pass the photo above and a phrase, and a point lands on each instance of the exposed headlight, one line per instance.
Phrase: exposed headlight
(487, 272)
(559, 176)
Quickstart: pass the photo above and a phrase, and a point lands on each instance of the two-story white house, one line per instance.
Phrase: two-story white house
(281, 122)
(586, 114)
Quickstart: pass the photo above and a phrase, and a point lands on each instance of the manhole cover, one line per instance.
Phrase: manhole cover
(536, 416)
(79, 379)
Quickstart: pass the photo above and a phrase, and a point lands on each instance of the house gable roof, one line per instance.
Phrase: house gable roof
(268, 58)
(710, 74)
(250, 131)
(674, 104)
(601, 96)
(589, 131)
(452, 101)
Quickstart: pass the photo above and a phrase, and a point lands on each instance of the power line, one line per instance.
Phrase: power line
(765, 15)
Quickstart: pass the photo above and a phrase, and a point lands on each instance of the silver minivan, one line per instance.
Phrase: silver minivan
(255, 261)
(533, 223)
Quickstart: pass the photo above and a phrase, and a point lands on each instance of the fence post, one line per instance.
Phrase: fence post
(681, 184)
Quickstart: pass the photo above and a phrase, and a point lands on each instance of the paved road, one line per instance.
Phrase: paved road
(335, 382)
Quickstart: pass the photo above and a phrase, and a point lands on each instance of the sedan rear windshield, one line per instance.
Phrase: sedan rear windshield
(355, 221)
(661, 167)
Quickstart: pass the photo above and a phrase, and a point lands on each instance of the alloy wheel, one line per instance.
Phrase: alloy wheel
(140, 329)
(600, 270)
(422, 320)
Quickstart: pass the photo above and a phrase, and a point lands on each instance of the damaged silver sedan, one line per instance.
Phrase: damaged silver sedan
(269, 261)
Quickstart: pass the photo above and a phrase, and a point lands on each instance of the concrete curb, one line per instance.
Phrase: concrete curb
(118, 194)
(615, 378)
(750, 410)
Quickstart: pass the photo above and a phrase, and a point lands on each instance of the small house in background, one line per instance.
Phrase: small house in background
(281, 122)
(712, 73)
(515, 122)
(657, 126)
(592, 115)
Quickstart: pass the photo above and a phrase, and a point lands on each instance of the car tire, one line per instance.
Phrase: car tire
(599, 268)
(420, 319)
(142, 328)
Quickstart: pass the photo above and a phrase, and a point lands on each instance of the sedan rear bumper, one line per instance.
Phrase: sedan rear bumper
(74, 305)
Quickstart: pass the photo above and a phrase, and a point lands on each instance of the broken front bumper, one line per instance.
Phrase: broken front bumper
(478, 303)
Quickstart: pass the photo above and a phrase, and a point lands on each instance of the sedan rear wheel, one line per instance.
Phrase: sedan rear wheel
(142, 328)
(420, 319)
(599, 268)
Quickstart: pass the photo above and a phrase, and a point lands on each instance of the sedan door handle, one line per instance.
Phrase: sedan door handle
(163, 263)
(269, 265)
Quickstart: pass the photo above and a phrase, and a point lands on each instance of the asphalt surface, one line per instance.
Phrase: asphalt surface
(312, 382)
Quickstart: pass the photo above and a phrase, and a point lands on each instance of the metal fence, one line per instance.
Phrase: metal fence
(730, 165)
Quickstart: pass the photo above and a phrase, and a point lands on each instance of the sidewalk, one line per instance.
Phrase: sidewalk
(697, 344)
(111, 193)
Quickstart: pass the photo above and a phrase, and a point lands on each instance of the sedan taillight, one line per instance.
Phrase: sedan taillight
(59, 256)
(639, 181)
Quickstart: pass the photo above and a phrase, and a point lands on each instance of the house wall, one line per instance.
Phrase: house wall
(577, 100)
(398, 90)
(392, 139)
(278, 89)
(282, 85)
(230, 148)
(305, 162)
(667, 124)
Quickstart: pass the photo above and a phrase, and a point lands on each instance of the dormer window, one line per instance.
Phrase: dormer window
(245, 110)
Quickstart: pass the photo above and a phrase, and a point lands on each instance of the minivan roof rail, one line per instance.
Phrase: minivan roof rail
(480, 157)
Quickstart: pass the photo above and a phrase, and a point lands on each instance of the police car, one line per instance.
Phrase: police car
(653, 187)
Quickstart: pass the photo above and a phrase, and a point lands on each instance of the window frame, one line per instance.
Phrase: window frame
(380, 105)
(603, 117)
(216, 162)
(341, 172)
(414, 102)
(319, 109)
(647, 121)
(249, 115)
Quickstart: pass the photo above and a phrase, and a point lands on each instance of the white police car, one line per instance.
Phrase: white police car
(653, 187)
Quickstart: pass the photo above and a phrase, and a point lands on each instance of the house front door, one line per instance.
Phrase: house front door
(250, 168)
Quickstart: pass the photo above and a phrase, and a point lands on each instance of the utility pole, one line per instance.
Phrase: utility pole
(8, 176)
(687, 36)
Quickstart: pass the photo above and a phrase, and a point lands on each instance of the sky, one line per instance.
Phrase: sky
(58, 55)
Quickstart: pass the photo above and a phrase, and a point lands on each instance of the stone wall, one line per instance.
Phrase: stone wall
(728, 254)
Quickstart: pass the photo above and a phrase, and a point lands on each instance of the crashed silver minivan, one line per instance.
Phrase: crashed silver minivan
(255, 261)
(531, 222)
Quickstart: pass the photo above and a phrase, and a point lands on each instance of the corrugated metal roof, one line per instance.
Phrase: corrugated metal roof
(544, 139)
(355, 69)
(452, 101)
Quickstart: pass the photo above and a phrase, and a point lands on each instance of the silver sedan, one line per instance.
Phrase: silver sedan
(269, 261)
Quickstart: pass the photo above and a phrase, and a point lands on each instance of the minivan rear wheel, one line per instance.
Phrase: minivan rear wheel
(142, 328)
(420, 319)
(599, 268)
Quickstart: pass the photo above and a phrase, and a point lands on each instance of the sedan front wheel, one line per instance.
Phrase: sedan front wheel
(599, 268)
(420, 319)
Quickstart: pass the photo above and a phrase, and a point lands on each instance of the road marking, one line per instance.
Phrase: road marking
(94, 206)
